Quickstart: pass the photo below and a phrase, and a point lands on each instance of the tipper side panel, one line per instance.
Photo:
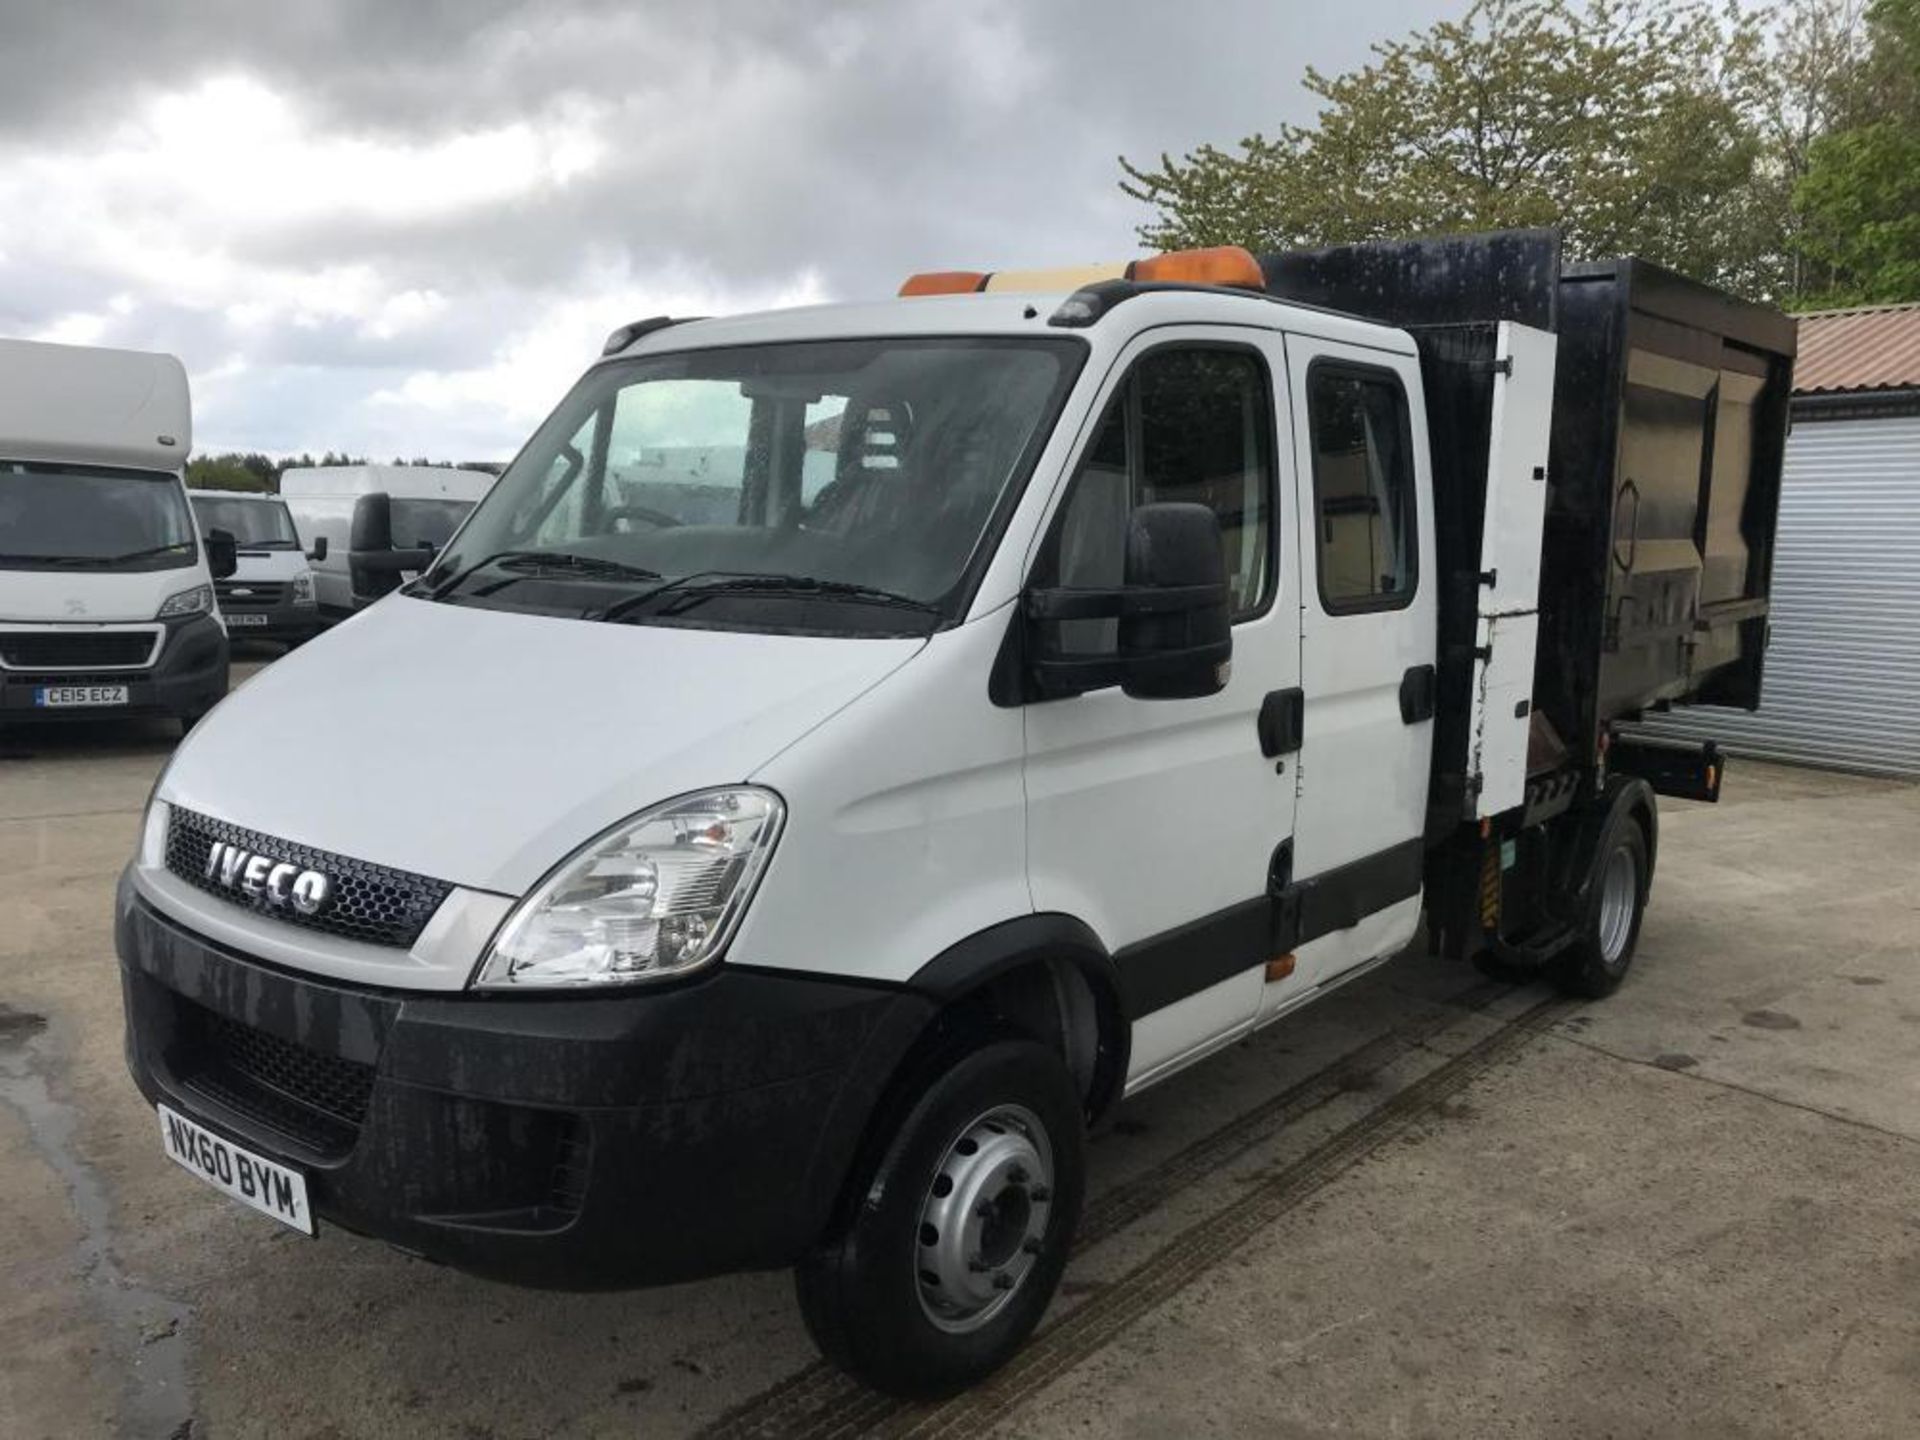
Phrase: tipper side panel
(1668, 428)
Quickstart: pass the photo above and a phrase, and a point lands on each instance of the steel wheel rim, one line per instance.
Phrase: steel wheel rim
(984, 1220)
(1619, 897)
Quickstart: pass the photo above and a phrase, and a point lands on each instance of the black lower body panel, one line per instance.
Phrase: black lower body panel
(560, 1141)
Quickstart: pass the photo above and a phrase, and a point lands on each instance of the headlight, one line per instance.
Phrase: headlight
(658, 895)
(303, 588)
(197, 601)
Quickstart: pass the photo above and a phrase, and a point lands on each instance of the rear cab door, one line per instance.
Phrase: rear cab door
(1156, 821)
(1368, 639)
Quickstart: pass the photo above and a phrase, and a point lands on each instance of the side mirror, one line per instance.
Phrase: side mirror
(373, 565)
(1173, 637)
(319, 551)
(223, 553)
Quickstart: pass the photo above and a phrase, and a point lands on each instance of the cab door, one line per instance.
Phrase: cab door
(1156, 821)
(1368, 637)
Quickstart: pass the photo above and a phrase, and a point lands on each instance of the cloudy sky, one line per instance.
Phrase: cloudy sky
(404, 226)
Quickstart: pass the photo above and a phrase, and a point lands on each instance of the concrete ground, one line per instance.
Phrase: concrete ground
(1432, 1205)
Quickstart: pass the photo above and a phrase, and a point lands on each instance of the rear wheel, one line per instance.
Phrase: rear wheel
(1599, 959)
(962, 1225)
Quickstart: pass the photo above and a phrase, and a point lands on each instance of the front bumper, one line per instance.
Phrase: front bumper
(188, 678)
(565, 1142)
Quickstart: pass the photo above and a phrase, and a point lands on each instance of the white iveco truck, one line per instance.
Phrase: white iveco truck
(852, 748)
(106, 587)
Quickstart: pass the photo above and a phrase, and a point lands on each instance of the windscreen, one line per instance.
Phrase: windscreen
(840, 476)
(254, 524)
(74, 517)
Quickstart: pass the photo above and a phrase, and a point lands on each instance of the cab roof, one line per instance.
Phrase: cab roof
(1012, 313)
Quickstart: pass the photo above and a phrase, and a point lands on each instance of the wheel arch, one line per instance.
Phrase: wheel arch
(1047, 975)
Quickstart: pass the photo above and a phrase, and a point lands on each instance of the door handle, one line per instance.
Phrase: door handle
(1282, 717)
(1418, 693)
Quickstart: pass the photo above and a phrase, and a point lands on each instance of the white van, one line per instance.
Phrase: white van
(852, 748)
(428, 504)
(269, 596)
(106, 587)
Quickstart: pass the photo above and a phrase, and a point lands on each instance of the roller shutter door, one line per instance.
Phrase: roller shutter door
(1842, 682)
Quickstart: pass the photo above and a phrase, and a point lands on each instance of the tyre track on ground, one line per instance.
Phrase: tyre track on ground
(820, 1401)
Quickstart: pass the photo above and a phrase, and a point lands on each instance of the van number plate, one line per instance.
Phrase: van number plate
(56, 697)
(269, 1188)
(246, 617)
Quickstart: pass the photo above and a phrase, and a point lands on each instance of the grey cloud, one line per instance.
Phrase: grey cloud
(744, 143)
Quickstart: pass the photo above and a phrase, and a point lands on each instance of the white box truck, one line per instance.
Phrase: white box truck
(427, 504)
(852, 748)
(106, 586)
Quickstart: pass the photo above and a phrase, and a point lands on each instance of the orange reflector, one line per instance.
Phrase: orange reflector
(1217, 265)
(1713, 777)
(1486, 826)
(944, 282)
(1280, 968)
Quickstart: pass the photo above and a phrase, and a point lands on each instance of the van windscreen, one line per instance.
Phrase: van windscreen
(76, 517)
(255, 524)
(847, 486)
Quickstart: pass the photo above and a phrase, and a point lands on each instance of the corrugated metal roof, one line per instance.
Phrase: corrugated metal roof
(1876, 347)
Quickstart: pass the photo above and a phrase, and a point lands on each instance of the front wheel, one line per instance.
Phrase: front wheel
(962, 1225)
(1598, 960)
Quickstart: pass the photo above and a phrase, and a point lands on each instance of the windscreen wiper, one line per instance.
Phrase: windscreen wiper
(147, 553)
(686, 590)
(536, 561)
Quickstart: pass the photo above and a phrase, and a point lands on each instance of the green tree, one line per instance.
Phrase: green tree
(1625, 124)
(1859, 195)
(224, 472)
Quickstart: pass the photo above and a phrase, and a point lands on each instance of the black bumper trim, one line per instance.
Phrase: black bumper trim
(572, 1143)
(190, 677)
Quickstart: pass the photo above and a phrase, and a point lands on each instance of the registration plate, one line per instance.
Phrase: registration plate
(249, 1178)
(56, 697)
(244, 617)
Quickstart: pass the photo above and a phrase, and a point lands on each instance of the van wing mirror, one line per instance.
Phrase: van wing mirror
(223, 553)
(318, 553)
(373, 565)
(1172, 636)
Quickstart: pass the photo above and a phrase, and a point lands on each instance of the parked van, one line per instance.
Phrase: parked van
(852, 748)
(106, 586)
(428, 503)
(269, 596)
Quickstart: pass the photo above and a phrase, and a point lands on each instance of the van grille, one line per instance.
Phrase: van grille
(74, 649)
(368, 903)
(260, 593)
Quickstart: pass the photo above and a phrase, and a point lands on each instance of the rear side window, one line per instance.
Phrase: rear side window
(1363, 491)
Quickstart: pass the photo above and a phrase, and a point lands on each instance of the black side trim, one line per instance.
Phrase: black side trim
(1340, 898)
(1171, 966)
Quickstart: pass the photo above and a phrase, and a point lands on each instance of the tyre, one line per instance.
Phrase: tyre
(1598, 960)
(961, 1229)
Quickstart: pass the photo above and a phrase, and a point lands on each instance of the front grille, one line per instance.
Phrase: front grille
(259, 593)
(318, 1100)
(365, 902)
(74, 649)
